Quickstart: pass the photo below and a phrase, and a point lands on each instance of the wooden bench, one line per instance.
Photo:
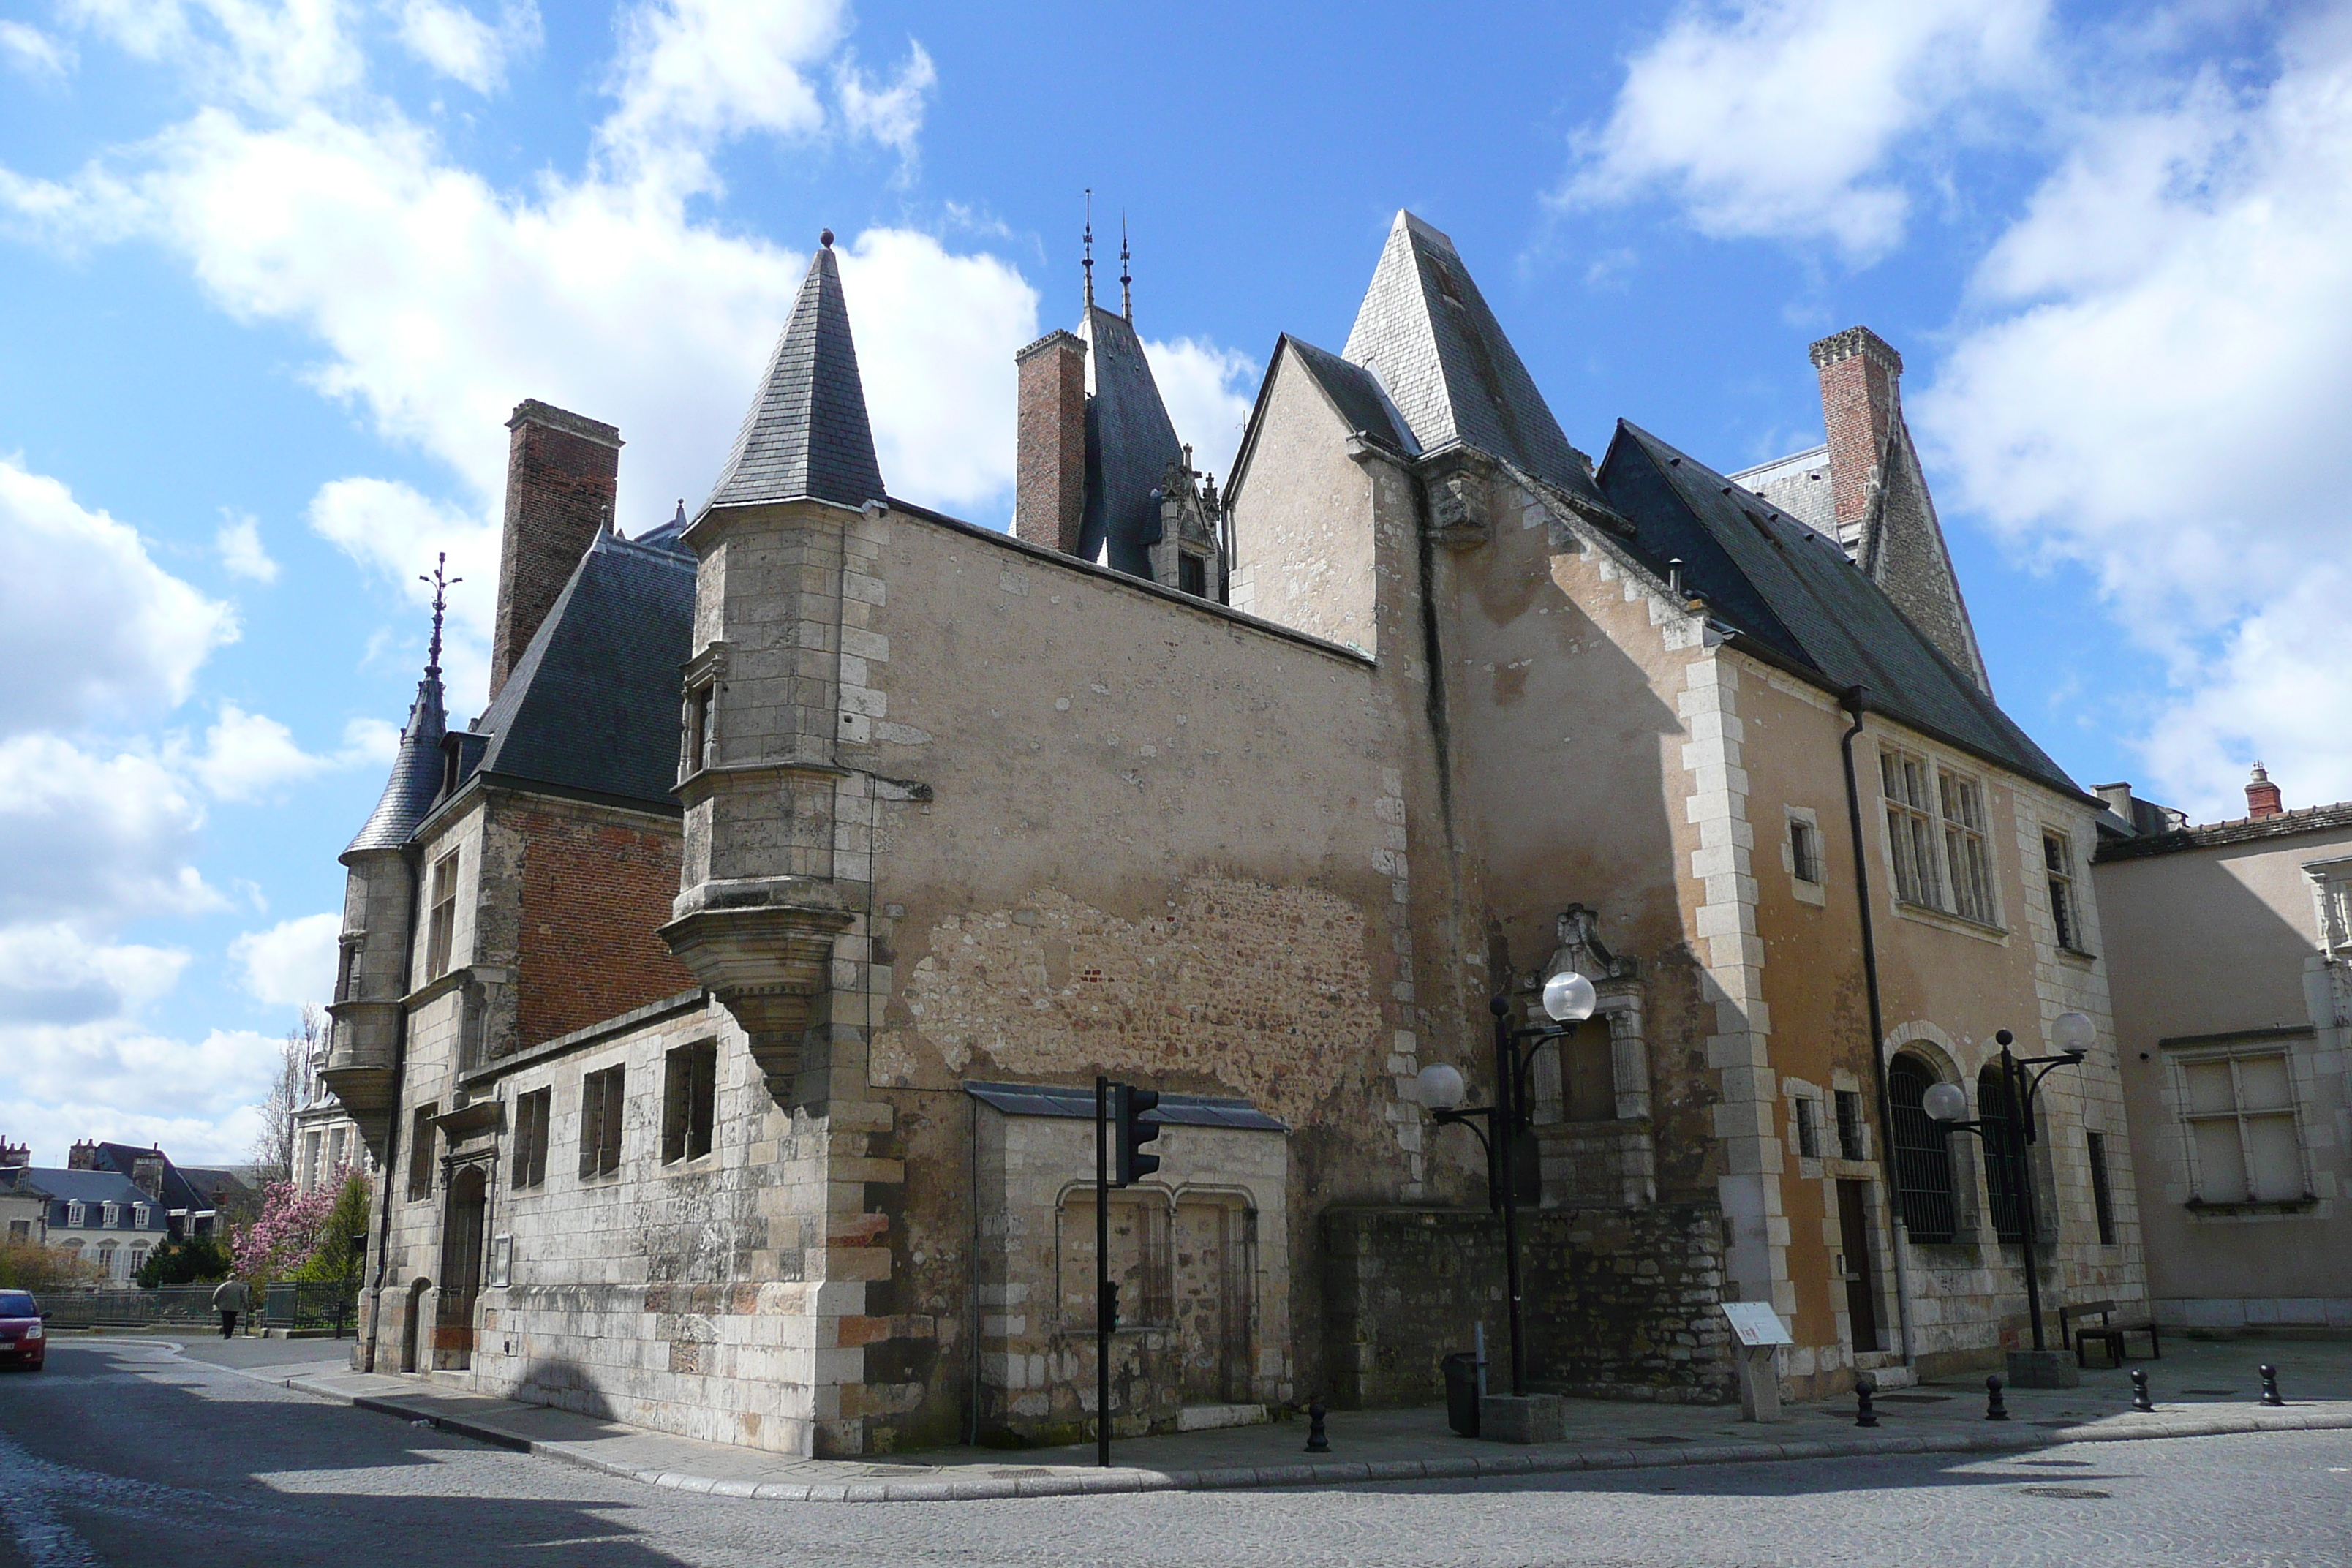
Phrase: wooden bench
(2107, 1331)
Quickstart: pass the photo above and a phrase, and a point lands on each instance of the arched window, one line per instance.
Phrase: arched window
(1923, 1162)
(1998, 1110)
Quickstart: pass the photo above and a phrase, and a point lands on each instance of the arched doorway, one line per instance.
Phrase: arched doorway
(1923, 1160)
(461, 1266)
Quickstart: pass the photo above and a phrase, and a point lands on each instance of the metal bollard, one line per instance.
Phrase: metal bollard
(1864, 1387)
(1317, 1440)
(2270, 1385)
(1995, 1409)
(2140, 1401)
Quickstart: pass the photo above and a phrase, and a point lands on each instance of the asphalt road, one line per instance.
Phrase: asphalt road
(125, 1453)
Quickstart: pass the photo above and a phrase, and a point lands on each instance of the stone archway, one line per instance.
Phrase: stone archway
(464, 1219)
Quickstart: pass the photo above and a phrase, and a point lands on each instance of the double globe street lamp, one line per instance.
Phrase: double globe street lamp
(1946, 1104)
(1508, 1126)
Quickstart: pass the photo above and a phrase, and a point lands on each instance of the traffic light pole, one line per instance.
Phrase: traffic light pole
(1102, 1272)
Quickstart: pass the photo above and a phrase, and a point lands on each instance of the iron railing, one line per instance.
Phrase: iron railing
(169, 1304)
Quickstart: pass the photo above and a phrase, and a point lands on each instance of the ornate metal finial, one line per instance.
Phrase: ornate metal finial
(824, 238)
(1126, 290)
(441, 586)
(1089, 262)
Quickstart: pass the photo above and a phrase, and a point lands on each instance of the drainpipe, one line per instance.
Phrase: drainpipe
(1854, 703)
(413, 860)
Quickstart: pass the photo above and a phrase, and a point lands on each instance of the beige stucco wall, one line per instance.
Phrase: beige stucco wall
(2219, 948)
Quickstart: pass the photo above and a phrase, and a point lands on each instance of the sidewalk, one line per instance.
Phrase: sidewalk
(2202, 1390)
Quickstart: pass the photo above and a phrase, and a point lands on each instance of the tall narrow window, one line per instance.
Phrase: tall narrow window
(2241, 1113)
(2103, 1196)
(1966, 857)
(1192, 575)
(2058, 865)
(690, 1099)
(441, 926)
(349, 973)
(698, 737)
(1804, 850)
(1923, 1161)
(1911, 830)
(602, 1097)
(1849, 1125)
(1809, 1130)
(2003, 1142)
(421, 1150)
(532, 1115)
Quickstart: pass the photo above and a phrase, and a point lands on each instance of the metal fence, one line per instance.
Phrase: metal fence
(308, 1304)
(128, 1308)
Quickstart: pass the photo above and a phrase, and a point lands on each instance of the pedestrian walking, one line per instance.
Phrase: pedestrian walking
(232, 1297)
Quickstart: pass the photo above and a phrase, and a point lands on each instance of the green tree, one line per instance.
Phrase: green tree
(341, 1238)
(30, 1266)
(198, 1260)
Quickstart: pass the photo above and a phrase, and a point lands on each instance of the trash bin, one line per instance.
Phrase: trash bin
(1462, 1392)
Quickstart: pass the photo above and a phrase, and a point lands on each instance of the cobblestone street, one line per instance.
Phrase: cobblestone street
(127, 1452)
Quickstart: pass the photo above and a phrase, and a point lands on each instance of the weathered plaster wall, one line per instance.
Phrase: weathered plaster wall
(1304, 555)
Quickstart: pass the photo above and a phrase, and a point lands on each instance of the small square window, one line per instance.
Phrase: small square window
(1805, 850)
(1192, 575)
(1809, 1131)
(689, 1100)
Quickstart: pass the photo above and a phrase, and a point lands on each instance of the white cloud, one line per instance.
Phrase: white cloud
(464, 48)
(194, 1099)
(1785, 119)
(54, 975)
(1207, 390)
(89, 626)
(272, 58)
(251, 756)
(33, 52)
(239, 543)
(2156, 381)
(291, 965)
(694, 73)
(891, 115)
(91, 839)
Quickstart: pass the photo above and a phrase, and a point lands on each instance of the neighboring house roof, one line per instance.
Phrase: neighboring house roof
(1130, 441)
(2247, 830)
(1425, 330)
(416, 780)
(216, 1185)
(591, 706)
(1773, 579)
(179, 1190)
(806, 434)
(91, 1188)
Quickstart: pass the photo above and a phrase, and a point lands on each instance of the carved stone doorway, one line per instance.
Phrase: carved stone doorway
(462, 1224)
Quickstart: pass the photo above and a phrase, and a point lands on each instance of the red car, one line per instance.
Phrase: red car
(23, 1341)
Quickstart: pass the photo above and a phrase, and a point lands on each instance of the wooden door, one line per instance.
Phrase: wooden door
(1860, 1283)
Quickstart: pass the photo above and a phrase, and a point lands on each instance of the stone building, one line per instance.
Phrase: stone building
(724, 1003)
(2232, 948)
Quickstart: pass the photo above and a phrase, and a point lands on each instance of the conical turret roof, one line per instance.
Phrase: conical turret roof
(416, 778)
(806, 435)
(1425, 330)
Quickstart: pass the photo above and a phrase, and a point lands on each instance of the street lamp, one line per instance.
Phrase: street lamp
(1568, 1000)
(1948, 1103)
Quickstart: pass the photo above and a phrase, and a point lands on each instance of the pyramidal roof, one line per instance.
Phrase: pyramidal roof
(1425, 330)
(806, 435)
(1129, 444)
(416, 778)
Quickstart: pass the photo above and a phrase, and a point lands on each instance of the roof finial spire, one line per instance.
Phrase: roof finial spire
(1089, 262)
(441, 586)
(1126, 293)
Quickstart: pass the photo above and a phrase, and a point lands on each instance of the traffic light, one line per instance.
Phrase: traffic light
(1110, 1308)
(1131, 1132)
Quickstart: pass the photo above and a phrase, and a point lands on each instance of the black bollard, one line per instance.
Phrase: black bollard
(1864, 1387)
(2270, 1385)
(1995, 1410)
(2140, 1401)
(1317, 1440)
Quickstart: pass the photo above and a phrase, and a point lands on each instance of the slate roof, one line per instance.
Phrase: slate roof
(178, 1191)
(94, 1187)
(669, 535)
(1129, 444)
(1174, 1110)
(1362, 401)
(1426, 332)
(806, 433)
(1765, 575)
(2241, 830)
(592, 705)
(416, 778)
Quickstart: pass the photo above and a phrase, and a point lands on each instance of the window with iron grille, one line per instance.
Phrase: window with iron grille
(1923, 1160)
(689, 1100)
(2003, 1143)
(1849, 1125)
(2240, 1115)
(421, 1151)
(1809, 1130)
(1805, 850)
(441, 926)
(2058, 865)
(532, 1112)
(602, 1095)
(1967, 862)
(2102, 1196)
(1911, 828)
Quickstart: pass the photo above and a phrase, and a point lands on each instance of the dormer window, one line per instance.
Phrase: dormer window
(1192, 575)
(77, 1215)
(109, 1216)
(138, 1216)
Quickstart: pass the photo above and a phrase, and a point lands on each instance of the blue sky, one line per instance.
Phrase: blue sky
(271, 275)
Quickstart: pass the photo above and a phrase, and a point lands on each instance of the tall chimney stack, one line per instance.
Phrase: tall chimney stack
(561, 474)
(82, 1156)
(2262, 796)
(1861, 391)
(1049, 495)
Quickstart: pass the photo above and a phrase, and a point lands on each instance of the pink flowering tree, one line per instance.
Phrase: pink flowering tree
(294, 1235)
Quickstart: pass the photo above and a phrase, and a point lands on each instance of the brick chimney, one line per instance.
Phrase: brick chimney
(147, 1173)
(15, 1156)
(2262, 796)
(1860, 401)
(562, 472)
(1049, 495)
(83, 1156)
